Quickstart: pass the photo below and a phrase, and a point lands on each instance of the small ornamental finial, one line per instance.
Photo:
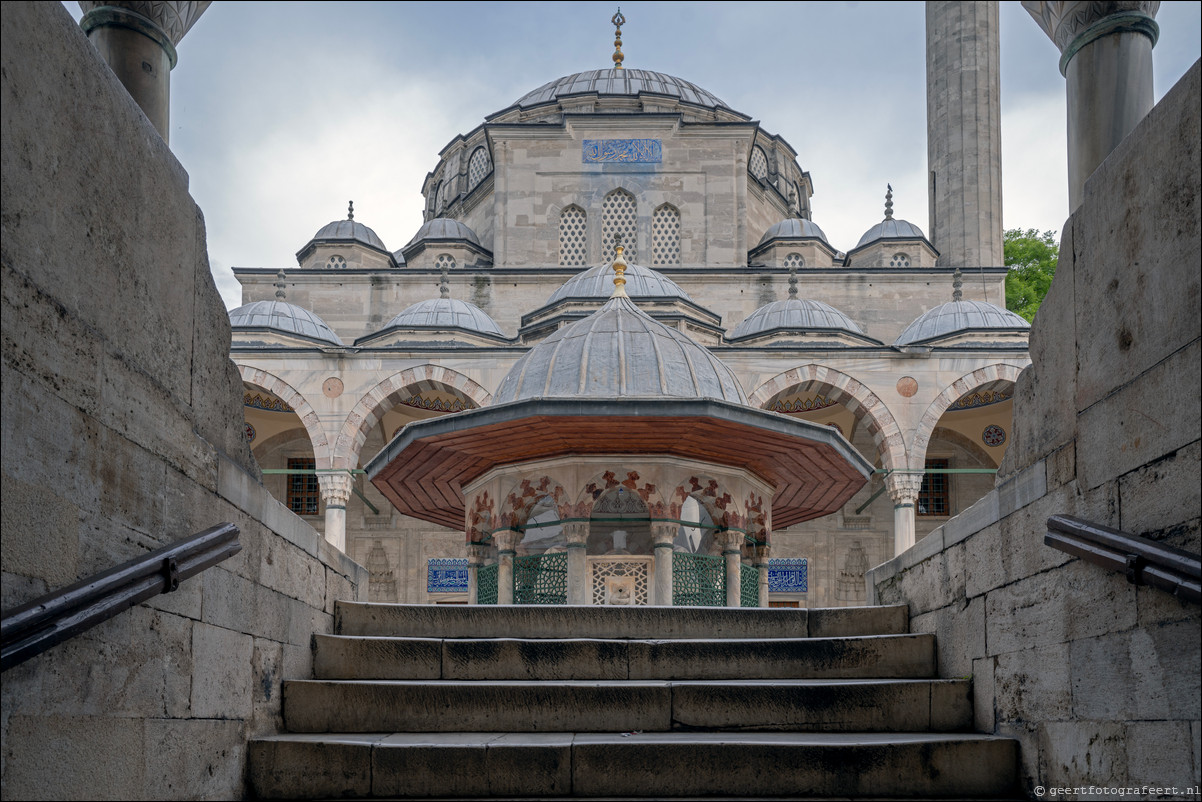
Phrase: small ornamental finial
(618, 20)
(619, 268)
(793, 283)
(444, 286)
(957, 283)
(279, 284)
(350, 210)
(888, 201)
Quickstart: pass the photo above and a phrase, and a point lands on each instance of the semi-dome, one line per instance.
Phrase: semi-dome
(622, 82)
(444, 228)
(959, 316)
(619, 352)
(794, 314)
(891, 229)
(598, 282)
(794, 228)
(283, 317)
(349, 231)
(443, 313)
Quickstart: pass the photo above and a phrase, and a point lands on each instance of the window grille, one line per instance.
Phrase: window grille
(899, 260)
(304, 496)
(336, 262)
(758, 165)
(445, 261)
(795, 260)
(934, 497)
(572, 241)
(665, 236)
(478, 168)
(619, 216)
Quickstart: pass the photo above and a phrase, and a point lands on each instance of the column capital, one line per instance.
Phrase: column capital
(335, 487)
(164, 21)
(477, 553)
(576, 533)
(507, 539)
(903, 487)
(762, 552)
(1073, 24)
(663, 533)
(730, 540)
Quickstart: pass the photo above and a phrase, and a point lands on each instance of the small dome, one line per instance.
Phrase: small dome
(445, 313)
(891, 229)
(598, 282)
(284, 317)
(795, 314)
(444, 228)
(619, 351)
(349, 231)
(628, 83)
(957, 316)
(794, 228)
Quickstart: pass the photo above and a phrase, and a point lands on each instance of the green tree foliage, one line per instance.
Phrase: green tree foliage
(1031, 257)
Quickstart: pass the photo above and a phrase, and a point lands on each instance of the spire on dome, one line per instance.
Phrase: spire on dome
(350, 210)
(888, 201)
(619, 268)
(279, 284)
(618, 20)
(957, 283)
(444, 286)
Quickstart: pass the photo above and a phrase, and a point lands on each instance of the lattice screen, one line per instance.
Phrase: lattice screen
(619, 214)
(749, 586)
(620, 580)
(758, 166)
(899, 260)
(486, 584)
(478, 168)
(698, 580)
(445, 260)
(794, 260)
(573, 225)
(540, 579)
(665, 236)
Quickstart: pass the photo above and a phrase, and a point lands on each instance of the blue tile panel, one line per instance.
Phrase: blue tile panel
(788, 575)
(644, 151)
(448, 575)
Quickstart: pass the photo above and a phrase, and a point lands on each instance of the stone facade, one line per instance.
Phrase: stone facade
(1098, 678)
(121, 431)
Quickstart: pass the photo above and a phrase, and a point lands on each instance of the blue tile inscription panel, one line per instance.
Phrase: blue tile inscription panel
(629, 151)
(788, 575)
(446, 575)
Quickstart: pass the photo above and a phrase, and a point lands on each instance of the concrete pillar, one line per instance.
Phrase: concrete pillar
(762, 555)
(137, 40)
(662, 535)
(732, 551)
(964, 134)
(507, 541)
(903, 489)
(1106, 59)
(576, 533)
(335, 487)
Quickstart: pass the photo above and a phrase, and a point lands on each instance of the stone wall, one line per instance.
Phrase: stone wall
(122, 432)
(1098, 678)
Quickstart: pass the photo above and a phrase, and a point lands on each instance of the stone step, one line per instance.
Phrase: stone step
(878, 656)
(897, 705)
(637, 765)
(559, 621)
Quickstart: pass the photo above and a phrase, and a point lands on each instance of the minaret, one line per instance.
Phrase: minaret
(964, 140)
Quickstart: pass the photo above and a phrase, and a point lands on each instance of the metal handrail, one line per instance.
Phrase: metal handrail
(1144, 561)
(42, 623)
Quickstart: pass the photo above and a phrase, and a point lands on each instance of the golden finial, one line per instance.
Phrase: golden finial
(618, 20)
(619, 268)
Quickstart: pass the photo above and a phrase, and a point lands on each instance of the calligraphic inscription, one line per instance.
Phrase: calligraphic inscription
(448, 575)
(630, 151)
(788, 575)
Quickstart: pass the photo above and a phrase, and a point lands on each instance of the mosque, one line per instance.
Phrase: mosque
(899, 345)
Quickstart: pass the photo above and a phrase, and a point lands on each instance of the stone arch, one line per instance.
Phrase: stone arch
(886, 434)
(304, 410)
(999, 373)
(387, 394)
(600, 482)
(515, 508)
(725, 508)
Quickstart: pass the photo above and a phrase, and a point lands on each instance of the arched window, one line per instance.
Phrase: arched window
(665, 235)
(900, 260)
(336, 262)
(795, 260)
(435, 197)
(619, 214)
(445, 261)
(444, 191)
(572, 227)
(758, 165)
(478, 167)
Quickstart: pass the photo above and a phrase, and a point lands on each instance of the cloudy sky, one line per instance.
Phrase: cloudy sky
(281, 113)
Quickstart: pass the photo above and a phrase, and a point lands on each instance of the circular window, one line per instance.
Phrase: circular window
(795, 260)
(993, 436)
(445, 261)
(900, 260)
(336, 262)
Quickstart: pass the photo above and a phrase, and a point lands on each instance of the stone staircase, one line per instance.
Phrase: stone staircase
(559, 702)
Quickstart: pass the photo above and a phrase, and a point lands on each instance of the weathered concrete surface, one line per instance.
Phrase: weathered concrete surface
(122, 432)
(1097, 678)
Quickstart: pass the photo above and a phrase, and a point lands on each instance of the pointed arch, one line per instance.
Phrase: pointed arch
(292, 397)
(521, 499)
(1000, 373)
(886, 434)
(619, 215)
(387, 394)
(602, 481)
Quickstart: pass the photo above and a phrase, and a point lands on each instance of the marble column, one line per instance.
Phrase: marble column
(137, 40)
(335, 487)
(663, 533)
(762, 554)
(476, 554)
(576, 533)
(732, 550)
(1106, 59)
(903, 489)
(507, 541)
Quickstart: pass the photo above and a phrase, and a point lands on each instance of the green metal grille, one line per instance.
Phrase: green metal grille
(749, 586)
(698, 580)
(486, 584)
(540, 579)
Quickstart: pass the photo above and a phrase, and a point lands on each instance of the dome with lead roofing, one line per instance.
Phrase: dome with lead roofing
(598, 282)
(794, 314)
(891, 229)
(622, 83)
(283, 317)
(348, 231)
(619, 352)
(794, 228)
(444, 313)
(955, 317)
(444, 228)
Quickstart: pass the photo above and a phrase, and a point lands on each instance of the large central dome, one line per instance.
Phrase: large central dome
(629, 83)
